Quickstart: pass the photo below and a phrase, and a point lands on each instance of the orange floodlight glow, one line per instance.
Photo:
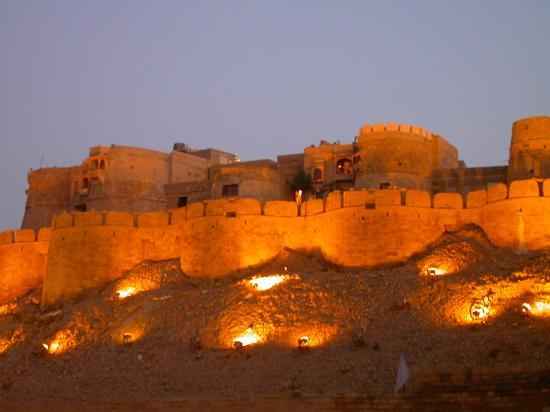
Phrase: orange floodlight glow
(247, 339)
(262, 283)
(126, 292)
(433, 271)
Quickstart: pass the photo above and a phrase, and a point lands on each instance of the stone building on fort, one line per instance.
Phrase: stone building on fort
(391, 156)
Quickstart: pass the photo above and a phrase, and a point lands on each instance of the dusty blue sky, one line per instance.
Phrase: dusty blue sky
(260, 78)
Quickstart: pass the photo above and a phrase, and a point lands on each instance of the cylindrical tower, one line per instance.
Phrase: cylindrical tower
(394, 155)
(530, 149)
(49, 193)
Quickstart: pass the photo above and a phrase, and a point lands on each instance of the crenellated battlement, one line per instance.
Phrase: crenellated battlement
(357, 228)
(25, 236)
(23, 256)
(368, 199)
(395, 127)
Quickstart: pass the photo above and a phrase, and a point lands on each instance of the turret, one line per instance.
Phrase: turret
(530, 149)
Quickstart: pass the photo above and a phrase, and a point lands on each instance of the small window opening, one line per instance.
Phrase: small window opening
(317, 175)
(81, 207)
(230, 190)
(384, 185)
(231, 214)
(182, 201)
(102, 164)
(85, 183)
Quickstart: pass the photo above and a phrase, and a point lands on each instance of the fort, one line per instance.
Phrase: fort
(379, 200)
(190, 278)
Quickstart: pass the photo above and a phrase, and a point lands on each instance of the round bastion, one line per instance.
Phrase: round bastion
(395, 155)
(530, 149)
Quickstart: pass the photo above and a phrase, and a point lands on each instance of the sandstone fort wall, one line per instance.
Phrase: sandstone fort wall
(530, 149)
(23, 256)
(402, 155)
(352, 229)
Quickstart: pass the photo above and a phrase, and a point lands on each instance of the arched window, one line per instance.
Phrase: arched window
(344, 166)
(317, 175)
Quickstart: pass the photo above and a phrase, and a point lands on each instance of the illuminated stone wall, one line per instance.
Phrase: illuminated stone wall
(110, 178)
(49, 194)
(401, 155)
(23, 255)
(530, 149)
(215, 238)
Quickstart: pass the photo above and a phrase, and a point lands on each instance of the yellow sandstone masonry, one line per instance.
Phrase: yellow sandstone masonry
(224, 207)
(119, 219)
(22, 262)
(196, 209)
(216, 207)
(245, 207)
(497, 192)
(333, 201)
(476, 199)
(63, 220)
(44, 234)
(6, 237)
(358, 198)
(88, 219)
(76, 256)
(313, 207)
(524, 188)
(280, 208)
(387, 197)
(448, 201)
(177, 216)
(418, 198)
(25, 235)
(152, 219)
(84, 258)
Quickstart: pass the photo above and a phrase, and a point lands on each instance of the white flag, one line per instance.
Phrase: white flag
(403, 374)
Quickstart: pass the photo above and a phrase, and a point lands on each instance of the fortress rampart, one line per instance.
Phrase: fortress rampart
(530, 149)
(23, 257)
(402, 156)
(403, 177)
(214, 238)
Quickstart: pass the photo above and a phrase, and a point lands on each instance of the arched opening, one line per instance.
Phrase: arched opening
(317, 175)
(344, 167)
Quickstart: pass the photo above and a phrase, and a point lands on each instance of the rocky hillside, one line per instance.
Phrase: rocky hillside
(158, 334)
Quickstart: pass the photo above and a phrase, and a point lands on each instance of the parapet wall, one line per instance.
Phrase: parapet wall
(352, 229)
(394, 127)
(23, 255)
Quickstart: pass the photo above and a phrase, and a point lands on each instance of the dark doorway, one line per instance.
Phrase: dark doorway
(182, 201)
(230, 190)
